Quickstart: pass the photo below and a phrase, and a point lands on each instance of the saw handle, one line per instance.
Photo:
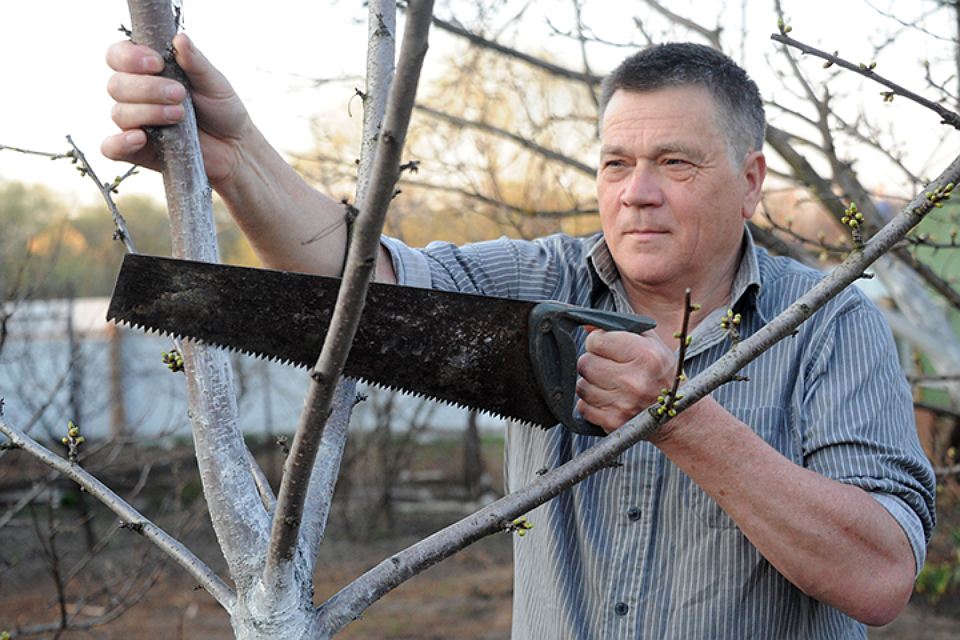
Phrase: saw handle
(553, 353)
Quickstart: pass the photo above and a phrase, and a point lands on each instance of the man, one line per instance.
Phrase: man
(794, 505)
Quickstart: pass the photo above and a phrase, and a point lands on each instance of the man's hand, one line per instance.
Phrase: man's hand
(145, 99)
(621, 374)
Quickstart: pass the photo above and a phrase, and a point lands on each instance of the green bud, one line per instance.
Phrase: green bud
(74, 432)
(65, 440)
(81, 440)
(672, 412)
(688, 340)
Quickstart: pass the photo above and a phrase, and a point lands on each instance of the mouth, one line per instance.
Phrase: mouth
(645, 234)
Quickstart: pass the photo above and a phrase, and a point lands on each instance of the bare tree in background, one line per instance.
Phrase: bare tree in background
(270, 544)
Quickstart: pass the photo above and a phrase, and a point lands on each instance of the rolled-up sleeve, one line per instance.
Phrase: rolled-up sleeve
(858, 425)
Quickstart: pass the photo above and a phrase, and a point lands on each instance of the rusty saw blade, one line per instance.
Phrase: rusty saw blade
(505, 357)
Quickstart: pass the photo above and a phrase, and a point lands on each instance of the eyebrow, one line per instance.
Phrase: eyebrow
(620, 150)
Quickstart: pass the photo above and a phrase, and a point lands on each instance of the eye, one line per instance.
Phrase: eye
(675, 162)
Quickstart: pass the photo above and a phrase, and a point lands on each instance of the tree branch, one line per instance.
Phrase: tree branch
(353, 599)
(361, 263)
(539, 63)
(237, 514)
(381, 51)
(947, 116)
(165, 542)
(710, 35)
(526, 143)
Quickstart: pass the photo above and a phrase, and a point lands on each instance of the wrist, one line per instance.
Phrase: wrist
(687, 427)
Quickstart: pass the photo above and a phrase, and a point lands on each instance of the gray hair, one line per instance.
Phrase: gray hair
(680, 64)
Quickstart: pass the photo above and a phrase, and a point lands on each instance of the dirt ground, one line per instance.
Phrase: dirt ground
(465, 597)
(468, 596)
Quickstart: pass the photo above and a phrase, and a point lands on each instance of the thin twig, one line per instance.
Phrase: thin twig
(347, 605)
(164, 541)
(947, 116)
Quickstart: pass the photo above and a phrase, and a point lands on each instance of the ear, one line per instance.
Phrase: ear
(754, 173)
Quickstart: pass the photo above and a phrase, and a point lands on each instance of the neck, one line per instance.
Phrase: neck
(665, 303)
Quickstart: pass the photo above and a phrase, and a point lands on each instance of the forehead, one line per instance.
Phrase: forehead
(685, 109)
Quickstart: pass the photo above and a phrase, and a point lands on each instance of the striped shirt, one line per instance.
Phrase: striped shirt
(639, 550)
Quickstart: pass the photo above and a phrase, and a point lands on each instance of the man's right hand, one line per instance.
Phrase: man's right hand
(277, 211)
(145, 99)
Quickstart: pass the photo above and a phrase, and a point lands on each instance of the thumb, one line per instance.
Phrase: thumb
(204, 77)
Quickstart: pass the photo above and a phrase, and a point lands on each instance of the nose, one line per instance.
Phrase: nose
(642, 188)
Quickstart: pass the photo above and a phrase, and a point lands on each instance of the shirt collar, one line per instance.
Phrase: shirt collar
(746, 281)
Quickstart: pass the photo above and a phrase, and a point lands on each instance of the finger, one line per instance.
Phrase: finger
(128, 57)
(597, 370)
(138, 88)
(134, 116)
(204, 77)
(597, 416)
(619, 346)
(129, 146)
(594, 395)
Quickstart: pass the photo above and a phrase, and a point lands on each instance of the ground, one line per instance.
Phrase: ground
(465, 597)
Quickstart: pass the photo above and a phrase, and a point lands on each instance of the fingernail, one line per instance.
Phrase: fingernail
(151, 64)
(173, 92)
(173, 113)
(133, 138)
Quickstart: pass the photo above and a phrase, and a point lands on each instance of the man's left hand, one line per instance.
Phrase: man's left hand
(621, 374)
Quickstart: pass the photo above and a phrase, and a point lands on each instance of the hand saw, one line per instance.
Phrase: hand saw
(510, 358)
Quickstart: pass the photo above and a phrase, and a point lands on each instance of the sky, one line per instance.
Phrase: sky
(54, 76)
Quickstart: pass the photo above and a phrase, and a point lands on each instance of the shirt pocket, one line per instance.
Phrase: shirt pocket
(770, 423)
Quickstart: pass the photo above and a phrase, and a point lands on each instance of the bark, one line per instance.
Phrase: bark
(361, 264)
(236, 512)
(472, 458)
(381, 51)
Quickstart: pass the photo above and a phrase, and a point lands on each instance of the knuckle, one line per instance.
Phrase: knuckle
(117, 114)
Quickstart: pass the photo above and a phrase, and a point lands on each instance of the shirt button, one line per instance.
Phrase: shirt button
(634, 513)
(621, 608)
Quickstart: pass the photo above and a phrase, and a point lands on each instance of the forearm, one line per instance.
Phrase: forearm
(289, 224)
(831, 540)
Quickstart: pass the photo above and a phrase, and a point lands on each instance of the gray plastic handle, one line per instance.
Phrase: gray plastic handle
(553, 354)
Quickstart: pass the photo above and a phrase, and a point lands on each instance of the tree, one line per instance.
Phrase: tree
(270, 545)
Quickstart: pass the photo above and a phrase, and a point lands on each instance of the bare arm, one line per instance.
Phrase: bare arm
(832, 540)
(273, 206)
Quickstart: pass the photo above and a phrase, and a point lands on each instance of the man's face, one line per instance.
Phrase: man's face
(672, 204)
